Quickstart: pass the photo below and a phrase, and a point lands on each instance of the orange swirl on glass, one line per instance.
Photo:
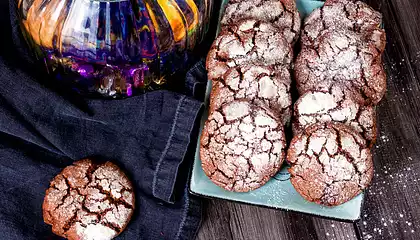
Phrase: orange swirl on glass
(175, 18)
(44, 25)
(192, 26)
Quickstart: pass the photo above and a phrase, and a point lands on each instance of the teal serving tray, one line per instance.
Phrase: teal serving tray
(278, 192)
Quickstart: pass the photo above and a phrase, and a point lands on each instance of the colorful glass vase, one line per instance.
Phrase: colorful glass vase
(114, 47)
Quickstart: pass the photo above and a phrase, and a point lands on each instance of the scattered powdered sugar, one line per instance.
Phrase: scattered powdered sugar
(384, 138)
(391, 179)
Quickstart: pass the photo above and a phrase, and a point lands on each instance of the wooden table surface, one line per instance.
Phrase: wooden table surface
(391, 209)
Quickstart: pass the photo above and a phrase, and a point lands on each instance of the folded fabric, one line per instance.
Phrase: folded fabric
(150, 136)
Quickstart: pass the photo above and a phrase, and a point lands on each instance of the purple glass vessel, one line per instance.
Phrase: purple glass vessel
(116, 48)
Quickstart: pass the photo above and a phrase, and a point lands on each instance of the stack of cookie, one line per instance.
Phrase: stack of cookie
(243, 142)
(340, 78)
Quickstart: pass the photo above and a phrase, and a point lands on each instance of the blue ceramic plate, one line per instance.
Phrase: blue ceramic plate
(278, 192)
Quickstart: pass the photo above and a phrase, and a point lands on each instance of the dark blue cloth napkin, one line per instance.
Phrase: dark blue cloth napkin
(151, 136)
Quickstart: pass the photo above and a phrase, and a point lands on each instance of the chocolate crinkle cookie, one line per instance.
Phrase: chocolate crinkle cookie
(89, 201)
(330, 164)
(349, 15)
(342, 57)
(282, 13)
(242, 146)
(249, 41)
(257, 84)
(335, 105)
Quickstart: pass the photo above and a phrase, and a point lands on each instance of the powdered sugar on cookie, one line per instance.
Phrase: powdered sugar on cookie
(344, 15)
(331, 164)
(282, 13)
(248, 42)
(89, 201)
(257, 84)
(334, 106)
(342, 58)
(242, 146)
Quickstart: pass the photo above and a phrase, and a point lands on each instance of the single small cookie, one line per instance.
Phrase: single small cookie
(344, 59)
(242, 146)
(330, 164)
(334, 106)
(282, 13)
(257, 84)
(348, 15)
(89, 201)
(249, 41)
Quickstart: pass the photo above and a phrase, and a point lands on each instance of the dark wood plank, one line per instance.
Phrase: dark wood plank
(216, 221)
(391, 209)
(329, 229)
(228, 220)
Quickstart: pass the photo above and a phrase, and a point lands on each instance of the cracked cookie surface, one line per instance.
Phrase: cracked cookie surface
(330, 164)
(242, 146)
(282, 13)
(249, 41)
(342, 58)
(89, 201)
(335, 105)
(257, 84)
(347, 15)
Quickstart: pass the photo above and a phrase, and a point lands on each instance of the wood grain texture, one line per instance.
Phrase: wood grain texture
(391, 209)
(228, 220)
